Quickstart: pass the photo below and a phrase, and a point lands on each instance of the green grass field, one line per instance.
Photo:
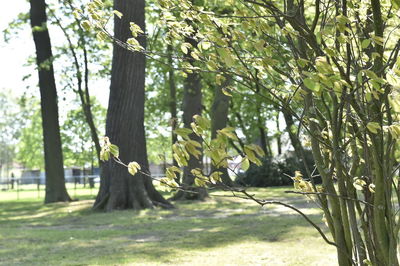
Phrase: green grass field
(219, 231)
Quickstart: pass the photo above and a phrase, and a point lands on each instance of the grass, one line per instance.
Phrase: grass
(30, 192)
(219, 231)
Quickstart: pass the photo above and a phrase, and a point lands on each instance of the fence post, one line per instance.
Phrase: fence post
(18, 181)
(38, 186)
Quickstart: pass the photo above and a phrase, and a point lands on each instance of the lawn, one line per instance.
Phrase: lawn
(219, 231)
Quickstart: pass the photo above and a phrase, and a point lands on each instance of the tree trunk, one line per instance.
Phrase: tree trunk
(55, 181)
(172, 98)
(278, 135)
(219, 120)
(84, 95)
(125, 122)
(290, 128)
(192, 105)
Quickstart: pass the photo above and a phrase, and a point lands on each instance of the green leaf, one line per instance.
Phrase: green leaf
(77, 13)
(378, 40)
(183, 132)
(359, 183)
(98, 3)
(114, 150)
(226, 56)
(323, 66)
(104, 155)
(118, 14)
(101, 36)
(373, 127)
(204, 45)
(245, 164)
(86, 25)
(225, 91)
(371, 188)
(212, 66)
(215, 177)
(135, 29)
(202, 122)
(396, 5)
(259, 45)
(365, 43)
(228, 131)
(185, 47)
(133, 168)
(311, 84)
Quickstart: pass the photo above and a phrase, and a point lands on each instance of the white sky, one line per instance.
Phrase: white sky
(14, 55)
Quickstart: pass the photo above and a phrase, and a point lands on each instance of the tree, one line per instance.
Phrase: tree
(191, 106)
(10, 130)
(340, 78)
(55, 181)
(75, 55)
(30, 150)
(340, 70)
(78, 147)
(80, 50)
(125, 120)
(219, 120)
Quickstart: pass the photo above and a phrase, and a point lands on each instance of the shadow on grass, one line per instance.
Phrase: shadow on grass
(51, 234)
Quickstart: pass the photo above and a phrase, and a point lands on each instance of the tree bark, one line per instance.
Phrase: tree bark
(55, 180)
(125, 122)
(172, 98)
(278, 135)
(192, 105)
(219, 120)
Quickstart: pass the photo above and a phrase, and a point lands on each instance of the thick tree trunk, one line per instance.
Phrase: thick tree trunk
(55, 181)
(192, 105)
(125, 122)
(219, 120)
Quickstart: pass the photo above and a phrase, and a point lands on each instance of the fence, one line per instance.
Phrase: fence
(34, 186)
(14, 188)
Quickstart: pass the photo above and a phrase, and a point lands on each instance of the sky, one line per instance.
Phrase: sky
(15, 53)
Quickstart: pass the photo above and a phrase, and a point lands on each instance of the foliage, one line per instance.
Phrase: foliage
(78, 149)
(79, 59)
(9, 128)
(275, 171)
(337, 73)
(30, 143)
(270, 173)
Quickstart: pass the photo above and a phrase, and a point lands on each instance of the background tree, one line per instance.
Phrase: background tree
(30, 142)
(78, 147)
(341, 80)
(125, 120)
(73, 50)
(55, 181)
(340, 70)
(10, 131)
(80, 45)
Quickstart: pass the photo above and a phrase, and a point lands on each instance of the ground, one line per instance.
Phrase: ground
(219, 231)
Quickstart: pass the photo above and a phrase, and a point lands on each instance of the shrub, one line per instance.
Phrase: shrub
(274, 171)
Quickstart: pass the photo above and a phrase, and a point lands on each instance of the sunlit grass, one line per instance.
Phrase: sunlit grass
(218, 231)
(31, 192)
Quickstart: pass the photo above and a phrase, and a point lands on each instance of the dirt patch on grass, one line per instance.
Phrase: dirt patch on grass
(145, 238)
